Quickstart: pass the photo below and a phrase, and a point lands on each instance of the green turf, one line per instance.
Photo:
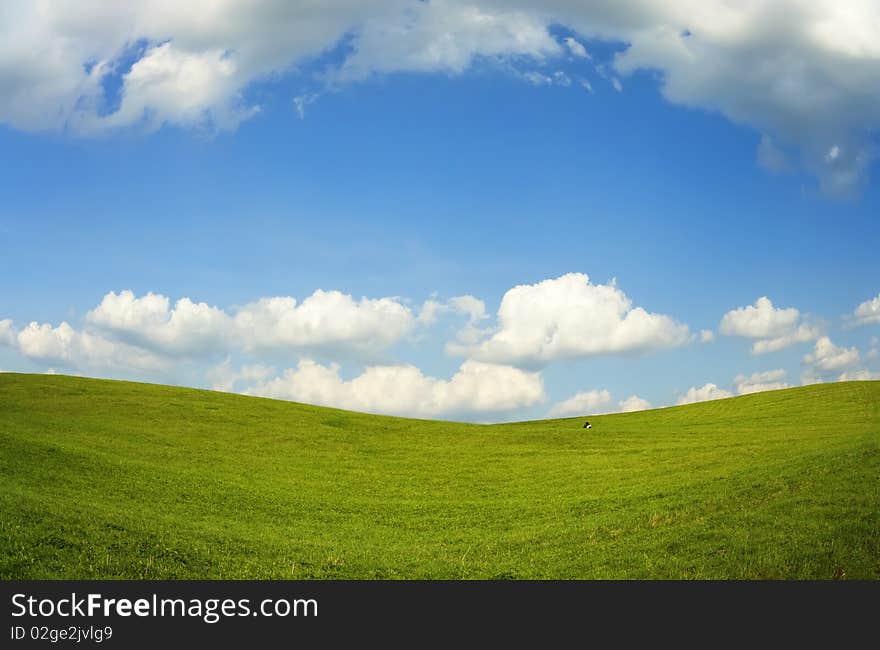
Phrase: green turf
(105, 479)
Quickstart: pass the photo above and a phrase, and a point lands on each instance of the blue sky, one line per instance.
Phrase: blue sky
(427, 184)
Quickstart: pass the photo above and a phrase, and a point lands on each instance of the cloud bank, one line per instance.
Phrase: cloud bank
(476, 388)
(803, 74)
(150, 336)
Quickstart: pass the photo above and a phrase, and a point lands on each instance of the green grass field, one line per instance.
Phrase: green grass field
(106, 479)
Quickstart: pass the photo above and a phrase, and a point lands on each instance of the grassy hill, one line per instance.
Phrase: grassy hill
(106, 479)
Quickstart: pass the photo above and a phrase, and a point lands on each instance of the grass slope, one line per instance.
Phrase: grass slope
(106, 479)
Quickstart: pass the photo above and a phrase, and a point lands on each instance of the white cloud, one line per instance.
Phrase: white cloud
(146, 328)
(403, 390)
(223, 376)
(576, 48)
(633, 403)
(774, 328)
(859, 375)
(326, 319)
(125, 330)
(707, 336)
(7, 332)
(828, 357)
(71, 348)
(557, 78)
(300, 102)
(568, 317)
(171, 85)
(802, 73)
(703, 393)
(761, 381)
(198, 59)
(591, 402)
(802, 334)
(867, 313)
(445, 36)
(537, 79)
(561, 79)
(760, 320)
(189, 328)
(473, 308)
(583, 403)
(429, 312)
(793, 70)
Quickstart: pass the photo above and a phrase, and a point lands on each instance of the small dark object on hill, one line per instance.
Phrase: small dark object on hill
(587, 425)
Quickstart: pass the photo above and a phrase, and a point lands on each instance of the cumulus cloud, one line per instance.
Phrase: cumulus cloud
(65, 346)
(147, 331)
(477, 388)
(633, 403)
(583, 403)
(569, 317)
(169, 84)
(473, 308)
(792, 70)
(707, 336)
(703, 393)
(7, 332)
(188, 328)
(224, 377)
(324, 319)
(803, 74)
(445, 36)
(761, 381)
(774, 328)
(859, 375)
(760, 320)
(592, 402)
(802, 334)
(867, 313)
(198, 58)
(828, 357)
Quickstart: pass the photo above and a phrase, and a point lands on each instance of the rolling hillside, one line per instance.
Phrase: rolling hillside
(106, 479)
